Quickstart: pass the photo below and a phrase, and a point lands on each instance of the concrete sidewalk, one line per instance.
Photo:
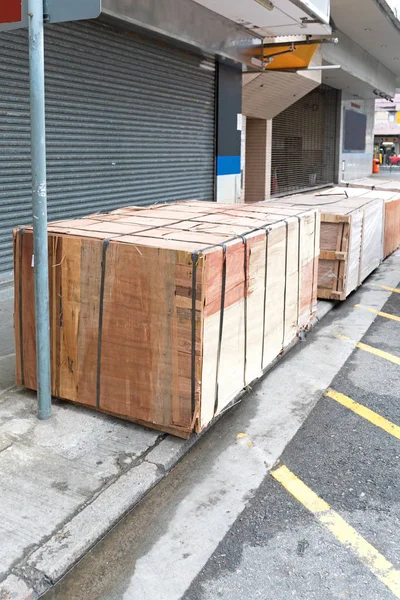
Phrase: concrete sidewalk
(67, 481)
(7, 356)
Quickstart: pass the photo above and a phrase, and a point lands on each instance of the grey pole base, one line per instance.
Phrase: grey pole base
(39, 206)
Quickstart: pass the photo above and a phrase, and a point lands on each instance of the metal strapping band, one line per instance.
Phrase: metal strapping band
(244, 240)
(221, 325)
(298, 269)
(313, 263)
(285, 285)
(265, 295)
(20, 316)
(100, 332)
(338, 262)
(195, 257)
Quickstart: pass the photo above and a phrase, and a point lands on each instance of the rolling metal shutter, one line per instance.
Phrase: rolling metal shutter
(129, 121)
(304, 143)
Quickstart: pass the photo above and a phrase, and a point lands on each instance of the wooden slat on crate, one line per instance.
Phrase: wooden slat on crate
(163, 315)
(351, 238)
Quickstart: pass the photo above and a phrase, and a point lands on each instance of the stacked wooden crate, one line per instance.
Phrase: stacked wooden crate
(391, 238)
(351, 239)
(371, 183)
(163, 315)
(390, 193)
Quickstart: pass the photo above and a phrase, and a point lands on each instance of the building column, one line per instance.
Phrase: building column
(258, 160)
(356, 145)
(229, 125)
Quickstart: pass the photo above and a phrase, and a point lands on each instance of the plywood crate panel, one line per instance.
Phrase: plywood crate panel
(163, 315)
(392, 225)
(389, 192)
(351, 238)
(371, 183)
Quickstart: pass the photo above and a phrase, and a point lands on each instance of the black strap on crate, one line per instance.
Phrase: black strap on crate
(245, 291)
(285, 285)
(195, 258)
(221, 325)
(265, 295)
(20, 308)
(313, 264)
(100, 328)
(298, 266)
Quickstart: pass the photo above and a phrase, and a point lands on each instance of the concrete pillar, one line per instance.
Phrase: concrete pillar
(229, 119)
(258, 160)
(243, 159)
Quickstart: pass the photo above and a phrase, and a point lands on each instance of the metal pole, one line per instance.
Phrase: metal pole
(39, 206)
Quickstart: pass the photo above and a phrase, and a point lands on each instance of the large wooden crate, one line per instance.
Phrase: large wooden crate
(371, 183)
(391, 237)
(128, 335)
(351, 237)
(390, 193)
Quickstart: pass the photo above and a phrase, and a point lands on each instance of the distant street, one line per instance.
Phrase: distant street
(385, 173)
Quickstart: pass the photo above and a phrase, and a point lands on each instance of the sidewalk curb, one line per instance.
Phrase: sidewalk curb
(47, 564)
(323, 308)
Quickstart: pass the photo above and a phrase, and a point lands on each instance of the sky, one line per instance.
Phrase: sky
(395, 6)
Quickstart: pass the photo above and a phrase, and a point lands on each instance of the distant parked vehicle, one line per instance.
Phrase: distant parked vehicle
(395, 160)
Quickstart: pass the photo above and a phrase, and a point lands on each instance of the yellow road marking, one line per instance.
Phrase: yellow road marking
(343, 532)
(385, 287)
(342, 337)
(386, 355)
(365, 412)
(381, 353)
(379, 312)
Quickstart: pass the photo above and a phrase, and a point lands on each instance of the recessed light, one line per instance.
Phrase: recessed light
(383, 46)
(266, 4)
(367, 29)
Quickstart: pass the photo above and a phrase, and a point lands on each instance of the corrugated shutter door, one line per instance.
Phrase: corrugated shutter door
(129, 121)
(303, 143)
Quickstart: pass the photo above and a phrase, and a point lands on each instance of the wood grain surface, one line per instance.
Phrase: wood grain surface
(130, 336)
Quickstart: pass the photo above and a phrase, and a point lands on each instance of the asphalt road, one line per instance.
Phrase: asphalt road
(219, 527)
(277, 549)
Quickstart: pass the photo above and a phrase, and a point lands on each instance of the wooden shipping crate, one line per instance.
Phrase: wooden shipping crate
(390, 191)
(391, 232)
(371, 183)
(391, 237)
(351, 239)
(128, 335)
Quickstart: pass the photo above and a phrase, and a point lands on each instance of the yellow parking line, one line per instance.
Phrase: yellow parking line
(340, 336)
(381, 353)
(386, 355)
(365, 412)
(385, 287)
(343, 532)
(378, 312)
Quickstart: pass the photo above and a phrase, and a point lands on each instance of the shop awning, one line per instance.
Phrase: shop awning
(286, 56)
